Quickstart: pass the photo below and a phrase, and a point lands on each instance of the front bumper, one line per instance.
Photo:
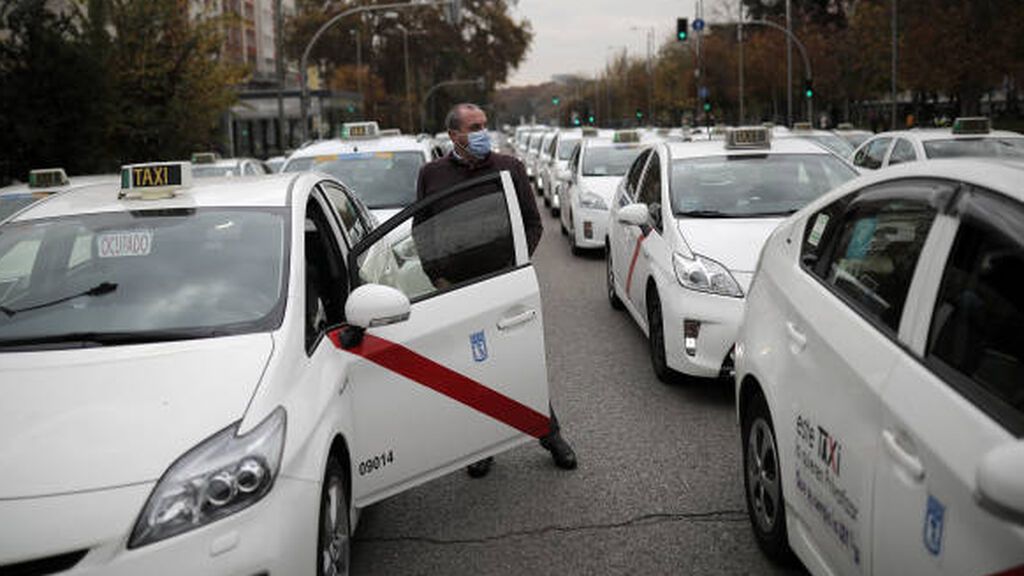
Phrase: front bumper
(590, 227)
(277, 535)
(720, 318)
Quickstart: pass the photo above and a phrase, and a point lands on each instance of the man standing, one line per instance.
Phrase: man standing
(472, 158)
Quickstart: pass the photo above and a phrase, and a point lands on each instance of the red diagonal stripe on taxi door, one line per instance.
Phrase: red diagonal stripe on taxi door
(1017, 571)
(401, 360)
(632, 263)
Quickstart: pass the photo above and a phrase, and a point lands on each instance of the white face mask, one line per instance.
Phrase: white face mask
(479, 143)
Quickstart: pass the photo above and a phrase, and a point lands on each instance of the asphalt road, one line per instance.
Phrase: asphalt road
(658, 489)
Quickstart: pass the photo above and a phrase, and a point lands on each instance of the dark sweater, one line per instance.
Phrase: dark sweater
(446, 172)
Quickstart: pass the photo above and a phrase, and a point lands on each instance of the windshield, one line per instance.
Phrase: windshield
(565, 147)
(213, 171)
(142, 276)
(834, 144)
(12, 203)
(611, 160)
(751, 186)
(975, 147)
(380, 179)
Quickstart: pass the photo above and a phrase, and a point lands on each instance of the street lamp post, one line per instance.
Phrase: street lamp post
(304, 61)
(479, 82)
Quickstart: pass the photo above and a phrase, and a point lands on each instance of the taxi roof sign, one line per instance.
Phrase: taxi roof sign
(47, 178)
(590, 131)
(154, 180)
(802, 127)
(391, 132)
(359, 130)
(972, 125)
(752, 138)
(205, 157)
(626, 137)
(845, 126)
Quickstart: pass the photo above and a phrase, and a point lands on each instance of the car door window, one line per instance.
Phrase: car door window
(326, 282)
(902, 151)
(872, 154)
(450, 240)
(633, 176)
(349, 217)
(975, 338)
(574, 160)
(871, 249)
(250, 170)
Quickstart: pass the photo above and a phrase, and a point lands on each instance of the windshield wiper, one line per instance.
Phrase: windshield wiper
(112, 338)
(98, 290)
(708, 214)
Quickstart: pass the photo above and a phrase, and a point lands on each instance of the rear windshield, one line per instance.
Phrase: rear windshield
(127, 277)
(975, 147)
(612, 160)
(753, 185)
(213, 171)
(380, 179)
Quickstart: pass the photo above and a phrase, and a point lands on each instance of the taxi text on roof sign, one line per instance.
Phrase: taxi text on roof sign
(156, 180)
(973, 125)
(359, 130)
(748, 138)
(47, 178)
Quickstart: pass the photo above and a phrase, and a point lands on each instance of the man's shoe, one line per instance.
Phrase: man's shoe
(480, 468)
(561, 452)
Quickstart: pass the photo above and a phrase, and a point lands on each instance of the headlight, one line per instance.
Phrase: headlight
(705, 275)
(222, 475)
(592, 201)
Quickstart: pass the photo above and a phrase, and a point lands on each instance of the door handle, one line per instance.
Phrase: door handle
(912, 464)
(798, 338)
(513, 321)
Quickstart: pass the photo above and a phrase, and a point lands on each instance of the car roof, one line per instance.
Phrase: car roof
(256, 191)
(926, 134)
(75, 182)
(381, 144)
(780, 145)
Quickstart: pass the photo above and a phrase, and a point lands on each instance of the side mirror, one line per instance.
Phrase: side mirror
(634, 214)
(564, 175)
(998, 478)
(374, 305)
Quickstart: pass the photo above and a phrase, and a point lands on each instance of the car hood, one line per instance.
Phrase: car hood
(734, 243)
(76, 420)
(603, 186)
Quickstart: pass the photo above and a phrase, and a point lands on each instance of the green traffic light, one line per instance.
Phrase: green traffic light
(576, 121)
(590, 119)
(707, 106)
(682, 35)
(555, 100)
(809, 93)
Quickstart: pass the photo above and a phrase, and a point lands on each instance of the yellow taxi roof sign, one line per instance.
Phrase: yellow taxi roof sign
(359, 130)
(802, 127)
(972, 125)
(154, 180)
(748, 138)
(47, 178)
(626, 137)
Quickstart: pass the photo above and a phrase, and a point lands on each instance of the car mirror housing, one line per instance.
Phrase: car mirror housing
(373, 305)
(999, 489)
(635, 214)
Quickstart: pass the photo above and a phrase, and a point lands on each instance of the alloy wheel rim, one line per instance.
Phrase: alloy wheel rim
(334, 555)
(763, 474)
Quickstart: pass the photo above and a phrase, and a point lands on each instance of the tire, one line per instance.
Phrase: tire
(656, 340)
(613, 298)
(762, 482)
(547, 201)
(334, 542)
(573, 247)
(555, 212)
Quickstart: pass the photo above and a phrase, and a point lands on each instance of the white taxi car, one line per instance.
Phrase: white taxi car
(42, 184)
(596, 167)
(201, 381)
(880, 375)
(555, 173)
(968, 137)
(686, 227)
(211, 165)
(837, 145)
(380, 167)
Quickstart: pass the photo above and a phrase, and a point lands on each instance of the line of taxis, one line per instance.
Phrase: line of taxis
(870, 323)
(215, 375)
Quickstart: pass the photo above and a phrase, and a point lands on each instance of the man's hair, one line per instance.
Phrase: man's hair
(453, 121)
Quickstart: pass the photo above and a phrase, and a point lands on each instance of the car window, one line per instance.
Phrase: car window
(451, 240)
(566, 147)
(978, 320)
(992, 147)
(650, 187)
(379, 179)
(574, 160)
(868, 252)
(349, 218)
(635, 171)
(326, 283)
(871, 155)
(609, 160)
(902, 151)
(251, 170)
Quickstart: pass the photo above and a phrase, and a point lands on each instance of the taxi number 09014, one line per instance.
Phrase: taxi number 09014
(371, 465)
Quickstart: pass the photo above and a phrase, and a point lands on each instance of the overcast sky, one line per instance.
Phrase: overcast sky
(573, 36)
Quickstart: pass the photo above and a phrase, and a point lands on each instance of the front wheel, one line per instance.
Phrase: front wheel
(762, 479)
(334, 546)
(656, 340)
(613, 298)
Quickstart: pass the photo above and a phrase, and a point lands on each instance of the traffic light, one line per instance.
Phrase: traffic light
(590, 119)
(555, 100)
(639, 114)
(707, 106)
(808, 88)
(682, 29)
